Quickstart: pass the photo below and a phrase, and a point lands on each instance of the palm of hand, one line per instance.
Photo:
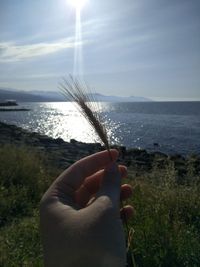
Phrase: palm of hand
(80, 218)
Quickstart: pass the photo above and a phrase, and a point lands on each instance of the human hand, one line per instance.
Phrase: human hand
(80, 215)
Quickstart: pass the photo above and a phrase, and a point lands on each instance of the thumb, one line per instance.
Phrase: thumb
(111, 183)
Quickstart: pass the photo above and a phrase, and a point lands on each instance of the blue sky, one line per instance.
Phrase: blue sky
(147, 48)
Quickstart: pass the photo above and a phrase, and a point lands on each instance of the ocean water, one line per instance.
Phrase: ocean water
(169, 127)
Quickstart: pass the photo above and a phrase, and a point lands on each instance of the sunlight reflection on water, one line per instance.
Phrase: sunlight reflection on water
(174, 126)
(64, 120)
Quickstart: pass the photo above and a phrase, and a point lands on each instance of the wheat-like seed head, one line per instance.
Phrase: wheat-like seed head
(78, 92)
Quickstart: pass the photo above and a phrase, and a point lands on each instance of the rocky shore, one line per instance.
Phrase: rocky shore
(62, 154)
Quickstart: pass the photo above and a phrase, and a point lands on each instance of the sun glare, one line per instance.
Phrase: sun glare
(78, 4)
(78, 56)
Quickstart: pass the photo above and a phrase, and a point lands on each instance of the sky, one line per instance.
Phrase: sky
(148, 48)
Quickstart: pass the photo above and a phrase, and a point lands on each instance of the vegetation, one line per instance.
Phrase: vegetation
(23, 179)
(166, 223)
(167, 220)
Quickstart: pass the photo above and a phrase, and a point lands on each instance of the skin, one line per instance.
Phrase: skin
(80, 214)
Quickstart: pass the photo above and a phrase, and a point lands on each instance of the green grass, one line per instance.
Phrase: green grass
(166, 223)
(20, 243)
(167, 219)
(23, 180)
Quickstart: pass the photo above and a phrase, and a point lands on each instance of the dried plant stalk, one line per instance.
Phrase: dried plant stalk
(78, 91)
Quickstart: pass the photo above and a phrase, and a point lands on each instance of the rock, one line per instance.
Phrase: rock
(62, 154)
(156, 144)
(73, 141)
(59, 141)
(176, 157)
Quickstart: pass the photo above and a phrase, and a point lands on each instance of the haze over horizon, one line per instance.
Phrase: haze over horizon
(148, 48)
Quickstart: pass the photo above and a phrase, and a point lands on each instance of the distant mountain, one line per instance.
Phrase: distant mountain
(111, 98)
(56, 96)
(32, 96)
(51, 96)
(19, 96)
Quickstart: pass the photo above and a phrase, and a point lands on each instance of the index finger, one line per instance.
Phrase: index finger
(74, 176)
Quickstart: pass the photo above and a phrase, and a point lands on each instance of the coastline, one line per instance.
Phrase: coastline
(62, 154)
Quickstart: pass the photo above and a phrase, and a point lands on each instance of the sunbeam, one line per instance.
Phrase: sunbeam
(78, 57)
(78, 4)
(78, 60)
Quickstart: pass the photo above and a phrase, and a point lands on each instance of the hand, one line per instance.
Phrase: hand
(80, 215)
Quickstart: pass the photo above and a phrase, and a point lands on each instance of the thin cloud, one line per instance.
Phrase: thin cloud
(11, 52)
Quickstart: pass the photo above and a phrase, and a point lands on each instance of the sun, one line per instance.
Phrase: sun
(78, 4)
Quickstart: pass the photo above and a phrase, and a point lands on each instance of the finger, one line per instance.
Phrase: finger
(92, 185)
(111, 184)
(126, 213)
(74, 176)
(126, 191)
(88, 189)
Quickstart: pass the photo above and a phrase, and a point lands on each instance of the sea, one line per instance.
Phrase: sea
(168, 127)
